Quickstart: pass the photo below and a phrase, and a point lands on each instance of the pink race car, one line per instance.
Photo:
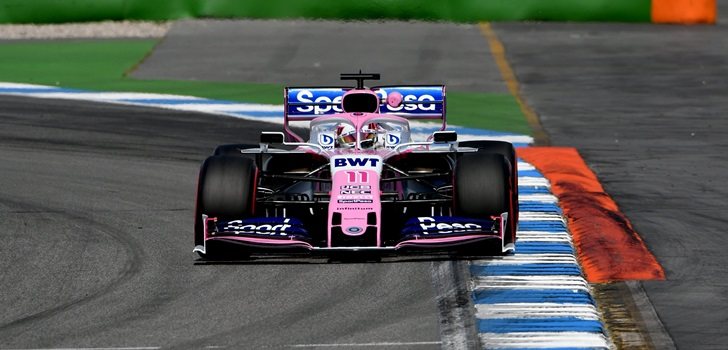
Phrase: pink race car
(358, 182)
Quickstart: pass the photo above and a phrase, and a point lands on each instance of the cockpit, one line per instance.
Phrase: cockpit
(372, 133)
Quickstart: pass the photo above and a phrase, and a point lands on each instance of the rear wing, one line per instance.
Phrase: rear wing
(419, 102)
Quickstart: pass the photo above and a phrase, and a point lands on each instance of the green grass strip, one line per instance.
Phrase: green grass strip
(51, 11)
(101, 65)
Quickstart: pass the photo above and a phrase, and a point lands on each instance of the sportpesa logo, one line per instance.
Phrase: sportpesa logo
(326, 101)
(430, 224)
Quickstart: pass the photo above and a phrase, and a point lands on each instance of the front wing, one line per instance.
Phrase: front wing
(419, 234)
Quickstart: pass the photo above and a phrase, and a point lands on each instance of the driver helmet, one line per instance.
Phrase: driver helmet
(345, 136)
(370, 135)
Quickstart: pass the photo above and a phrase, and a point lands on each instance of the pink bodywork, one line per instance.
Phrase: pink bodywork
(355, 190)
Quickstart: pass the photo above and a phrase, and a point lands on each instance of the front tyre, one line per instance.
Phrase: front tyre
(506, 150)
(482, 188)
(225, 190)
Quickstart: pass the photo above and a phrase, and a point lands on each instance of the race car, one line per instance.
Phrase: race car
(358, 181)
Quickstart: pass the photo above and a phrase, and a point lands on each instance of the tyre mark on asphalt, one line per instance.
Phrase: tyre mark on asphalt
(457, 326)
(132, 265)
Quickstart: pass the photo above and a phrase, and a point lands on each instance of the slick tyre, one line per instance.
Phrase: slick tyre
(225, 190)
(499, 147)
(506, 150)
(481, 185)
(481, 190)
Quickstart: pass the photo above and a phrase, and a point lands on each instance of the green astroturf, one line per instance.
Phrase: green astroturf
(102, 65)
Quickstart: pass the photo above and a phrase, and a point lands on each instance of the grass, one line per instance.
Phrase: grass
(102, 65)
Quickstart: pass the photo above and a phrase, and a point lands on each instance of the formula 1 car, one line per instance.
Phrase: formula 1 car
(359, 182)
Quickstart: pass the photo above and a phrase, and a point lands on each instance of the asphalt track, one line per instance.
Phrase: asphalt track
(645, 105)
(102, 197)
(97, 201)
(315, 52)
(96, 207)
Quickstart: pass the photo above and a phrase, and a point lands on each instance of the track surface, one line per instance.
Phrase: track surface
(97, 199)
(314, 53)
(645, 104)
(646, 107)
(96, 209)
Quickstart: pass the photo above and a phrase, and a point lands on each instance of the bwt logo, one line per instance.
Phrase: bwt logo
(393, 139)
(358, 162)
(326, 141)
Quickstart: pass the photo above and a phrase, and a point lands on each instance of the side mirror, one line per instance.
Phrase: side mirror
(444, 136)
(394, 99)
(272, 137)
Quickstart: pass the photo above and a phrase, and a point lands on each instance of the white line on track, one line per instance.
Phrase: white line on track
(103, 96)
(523, 166)
(528, 259)
(522, 340)
(543, 234)
(536, 310)
(533, 181)
(543, 238)
(232, 107)
(24, 86)
(538, 198)
(575, 283)
(539, 216)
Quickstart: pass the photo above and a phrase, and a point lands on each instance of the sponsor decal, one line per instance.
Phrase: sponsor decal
(428, 225)
(362, 196)
(355, 162)
(392, 140)
(356, 187)
(411, 94)
(354, 201)
(415, 97)
(322, 104)
(354, 192)
(354, 230)
(322, 101)
(326, 141)
(349, 192)
(263, 226)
